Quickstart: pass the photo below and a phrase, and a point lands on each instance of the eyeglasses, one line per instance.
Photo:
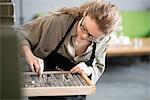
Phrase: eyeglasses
(90, 36)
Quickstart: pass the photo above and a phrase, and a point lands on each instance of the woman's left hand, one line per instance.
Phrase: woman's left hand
(81, 68)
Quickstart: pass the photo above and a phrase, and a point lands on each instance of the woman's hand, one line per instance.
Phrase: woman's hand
(81, 68)
(36, 64)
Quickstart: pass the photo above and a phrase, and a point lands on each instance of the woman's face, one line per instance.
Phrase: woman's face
(88, 29)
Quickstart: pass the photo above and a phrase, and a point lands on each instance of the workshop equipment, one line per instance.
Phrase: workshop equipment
(56, 83)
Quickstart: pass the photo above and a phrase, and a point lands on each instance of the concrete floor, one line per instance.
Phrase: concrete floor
(124, 82)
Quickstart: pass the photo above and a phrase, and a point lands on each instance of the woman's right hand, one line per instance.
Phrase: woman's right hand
(36, 64)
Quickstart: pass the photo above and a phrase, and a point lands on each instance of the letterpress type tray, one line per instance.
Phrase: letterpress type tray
(56, 83)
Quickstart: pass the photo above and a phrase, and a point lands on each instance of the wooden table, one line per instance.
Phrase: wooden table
(130, 50)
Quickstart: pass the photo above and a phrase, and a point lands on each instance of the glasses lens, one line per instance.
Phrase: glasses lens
(90, 37)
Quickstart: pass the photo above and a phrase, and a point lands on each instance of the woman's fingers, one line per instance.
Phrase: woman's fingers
(82, 68)
(41, 64)
(73, 69)
(32, 68)
(77, 69)
(36, 65)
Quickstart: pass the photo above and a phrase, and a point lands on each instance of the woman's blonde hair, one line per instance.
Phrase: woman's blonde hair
(106, 14)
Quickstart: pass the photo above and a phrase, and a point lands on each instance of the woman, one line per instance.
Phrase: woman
(80, 35)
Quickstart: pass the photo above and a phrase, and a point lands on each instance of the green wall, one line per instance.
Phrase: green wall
(136, 23)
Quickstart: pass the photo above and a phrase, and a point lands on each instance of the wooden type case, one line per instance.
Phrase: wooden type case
(56, 83)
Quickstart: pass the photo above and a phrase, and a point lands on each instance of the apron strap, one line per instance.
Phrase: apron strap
(89, 62)
(69, 29)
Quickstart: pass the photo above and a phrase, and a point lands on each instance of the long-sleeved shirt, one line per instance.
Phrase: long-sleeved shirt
(43, 34)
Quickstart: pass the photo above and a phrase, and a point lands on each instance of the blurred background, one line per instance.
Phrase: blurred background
(127, 74)
(135, 13)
